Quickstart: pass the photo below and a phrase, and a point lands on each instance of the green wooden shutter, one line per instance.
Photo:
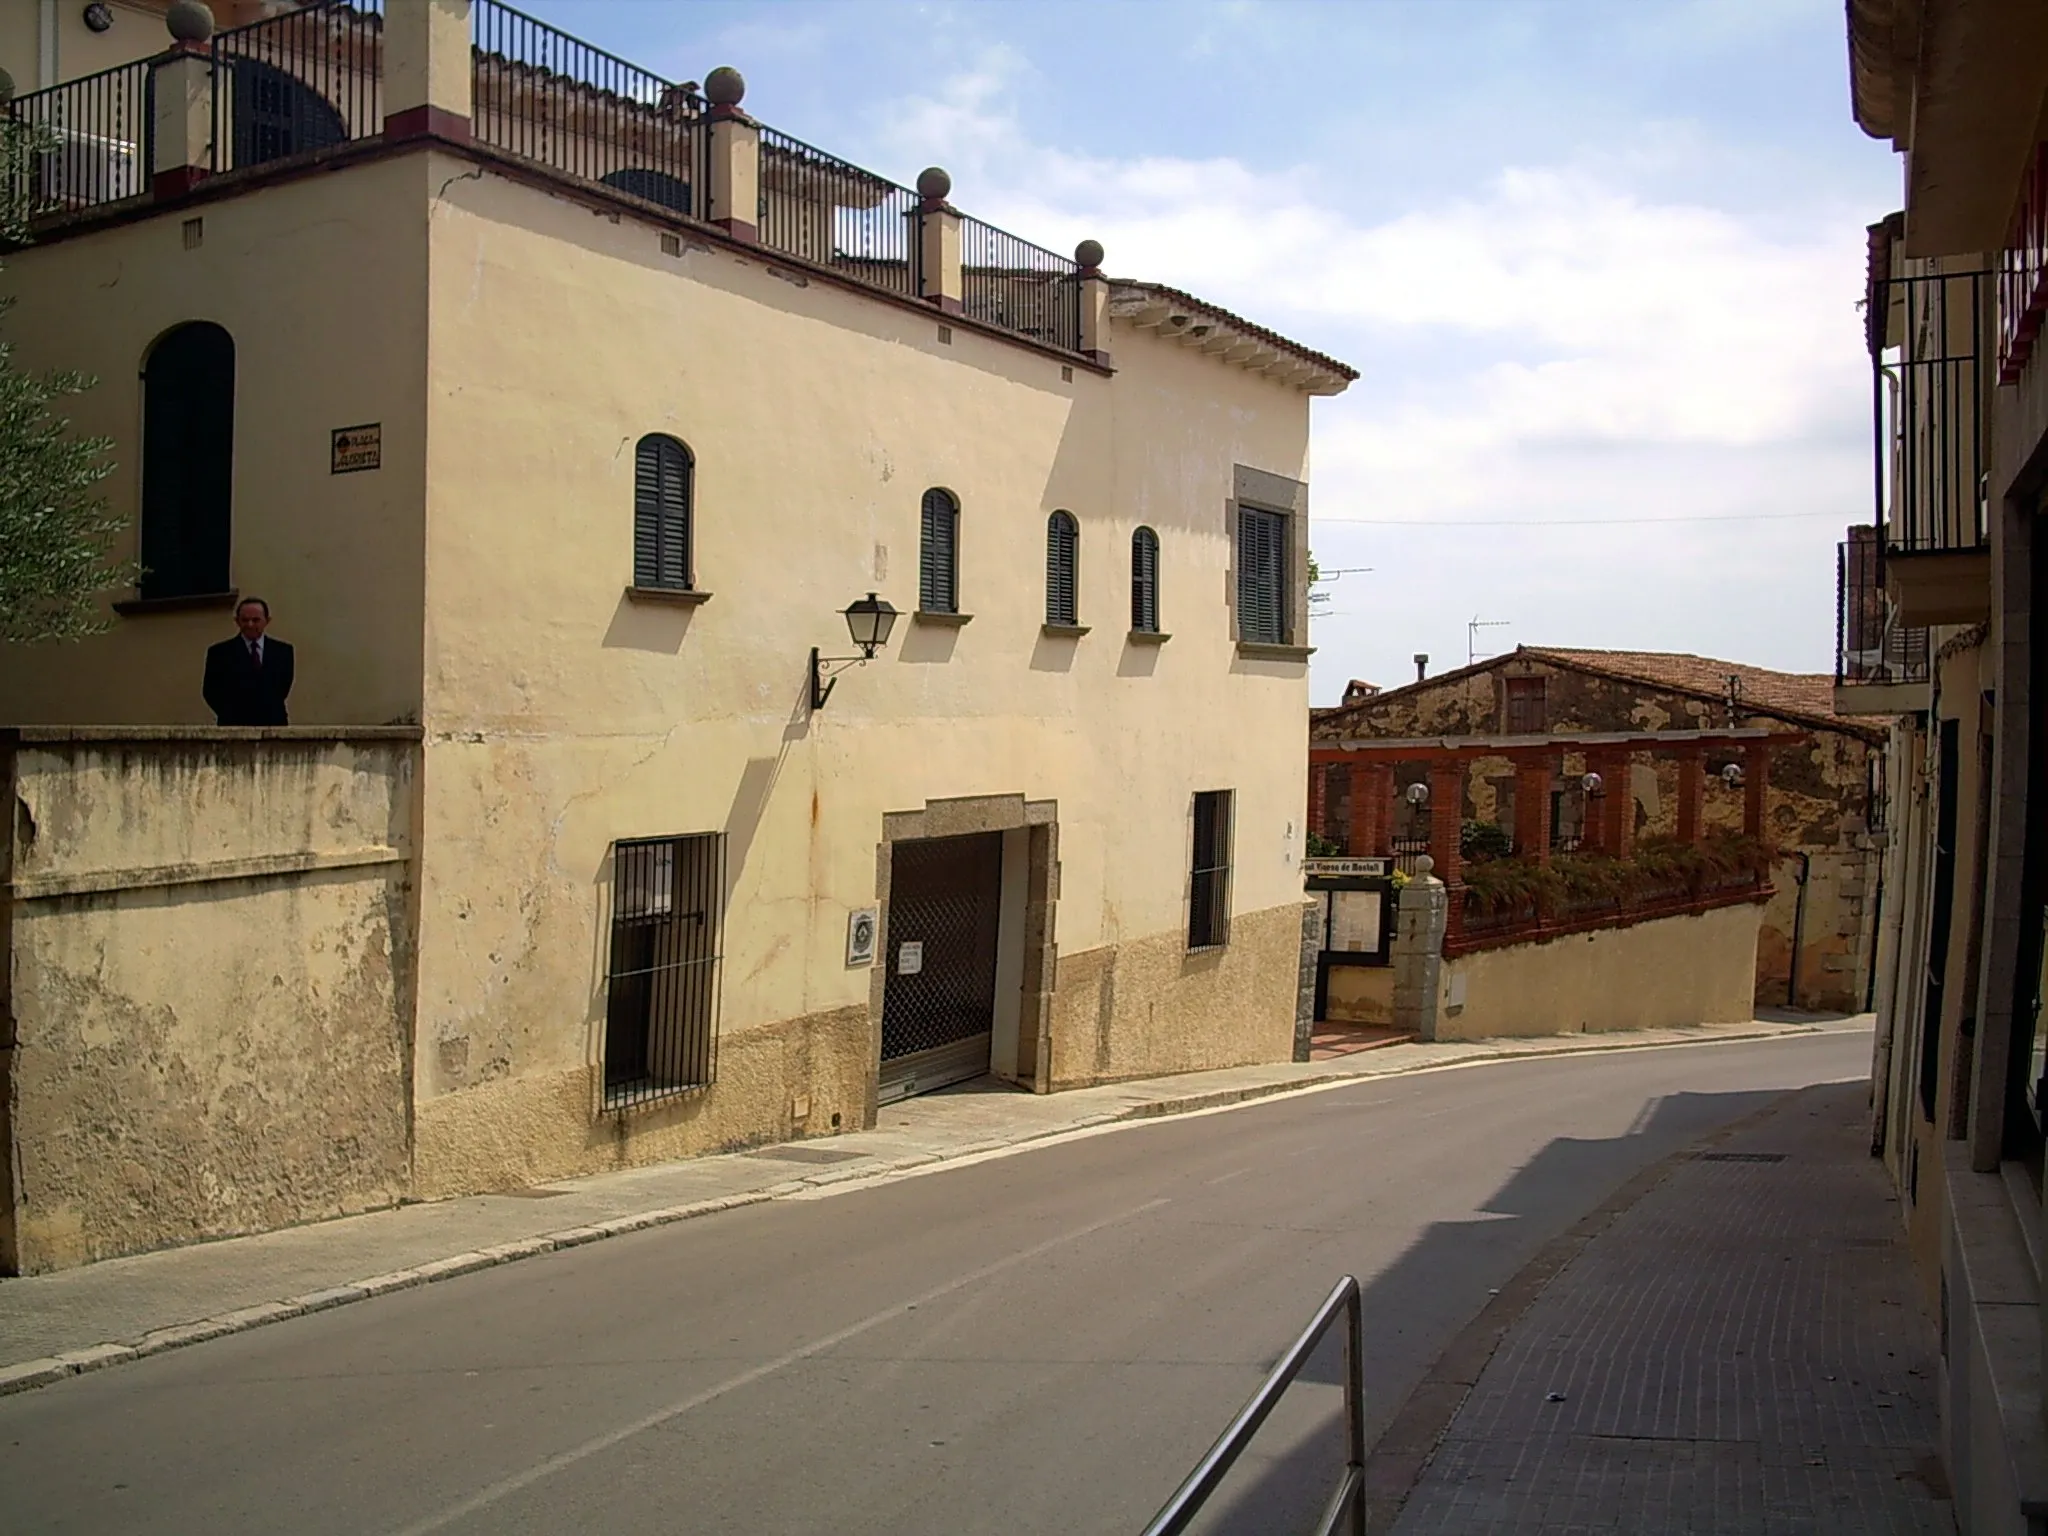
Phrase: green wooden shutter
(1261, 576)
(938, 565)
(1145, 581)
(1062, 559)
(188, 462)
(662, 472)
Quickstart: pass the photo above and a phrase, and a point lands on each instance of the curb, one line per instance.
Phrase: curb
(30, 1374)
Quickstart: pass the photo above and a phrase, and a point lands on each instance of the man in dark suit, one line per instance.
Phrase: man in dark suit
(249, 677)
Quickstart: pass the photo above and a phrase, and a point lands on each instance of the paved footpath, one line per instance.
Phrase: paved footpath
(1734, 1344)
(103, 1314)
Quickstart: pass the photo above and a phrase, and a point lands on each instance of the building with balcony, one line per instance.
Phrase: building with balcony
(1940, 630)
(568, 418)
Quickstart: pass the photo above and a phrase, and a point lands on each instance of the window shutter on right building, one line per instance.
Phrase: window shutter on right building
(662, 471)
(1145, 581)
(1261, 576)
(1062, 561)
(938, 567)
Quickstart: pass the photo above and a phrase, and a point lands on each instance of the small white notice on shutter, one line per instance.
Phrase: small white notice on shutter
(910, 957)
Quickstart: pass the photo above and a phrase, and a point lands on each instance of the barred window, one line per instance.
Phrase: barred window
(1209, 873)
(1062, 561)
(663, 472)
(661, 1002)
(1262, 596)
(1145, 582)
(938, 554)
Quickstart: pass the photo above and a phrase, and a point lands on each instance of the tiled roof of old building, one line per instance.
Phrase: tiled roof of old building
(1801, 697)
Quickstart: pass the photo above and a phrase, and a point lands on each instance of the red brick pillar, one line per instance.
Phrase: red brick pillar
(1372, 810)
(1756, 783)
(1692, 795)
(1593, 828)
(1620, 836)
(1318, 788)
(1447, 818)
(1532, 807)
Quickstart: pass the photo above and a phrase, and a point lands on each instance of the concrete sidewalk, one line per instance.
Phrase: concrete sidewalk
(52, 1326)
(1734, 1343)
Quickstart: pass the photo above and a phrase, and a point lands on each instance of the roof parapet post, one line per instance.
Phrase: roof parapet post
(1094, 302)
(938, 242)
(429, 76)
(181, 114)
(733, 157)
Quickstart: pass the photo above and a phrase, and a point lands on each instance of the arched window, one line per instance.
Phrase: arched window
(1145, 582)
(662, 472)
(938, 554)
(188, 461)
(656, 186)
(278, 115)
(1062, 559)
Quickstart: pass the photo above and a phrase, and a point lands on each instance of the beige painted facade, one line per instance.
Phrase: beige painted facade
(515, 348)
(1694, 969)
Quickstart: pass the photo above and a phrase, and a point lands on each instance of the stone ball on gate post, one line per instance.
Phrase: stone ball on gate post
(1425, 865)
(933, 184)
(725, 86)
(189, 21)
(1088, 254)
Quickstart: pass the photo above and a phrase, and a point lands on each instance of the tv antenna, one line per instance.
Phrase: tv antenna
(1323, 578)
(1472, 635)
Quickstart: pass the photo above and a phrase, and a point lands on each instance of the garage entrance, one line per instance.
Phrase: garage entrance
(939, 993)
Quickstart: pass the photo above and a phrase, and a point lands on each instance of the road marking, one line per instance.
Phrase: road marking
(1222, 1178)
(504, 1487)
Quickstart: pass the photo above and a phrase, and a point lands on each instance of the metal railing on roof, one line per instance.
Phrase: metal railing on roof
(1009, 282)
(829, 211)
(297, 83)
(88, 142)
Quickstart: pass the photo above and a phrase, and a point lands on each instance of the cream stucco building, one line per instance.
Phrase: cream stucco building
(559, 413)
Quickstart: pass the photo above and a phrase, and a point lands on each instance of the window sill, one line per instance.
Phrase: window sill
(135, 607)
(940, 620)
(680, 597)
(1148, 637)
(1064, 631)
(1258, 650)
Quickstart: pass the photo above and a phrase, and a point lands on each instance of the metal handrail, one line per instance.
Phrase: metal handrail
(1349, 1499)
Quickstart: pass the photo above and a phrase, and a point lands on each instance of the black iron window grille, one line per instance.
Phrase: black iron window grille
(1262, 597)
(188, 459)
(1062, 569)
(1209, 873)
(663, 472)
(297, 83)
(1145, 582)
(1871, 646)
(661, 991)
(1931, 374)
(938, 554)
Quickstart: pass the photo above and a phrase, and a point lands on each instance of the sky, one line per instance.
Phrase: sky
(1598, 265)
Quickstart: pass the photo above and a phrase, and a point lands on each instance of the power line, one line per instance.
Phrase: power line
(1571, 522)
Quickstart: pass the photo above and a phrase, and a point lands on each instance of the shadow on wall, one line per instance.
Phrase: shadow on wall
(1279, 1486)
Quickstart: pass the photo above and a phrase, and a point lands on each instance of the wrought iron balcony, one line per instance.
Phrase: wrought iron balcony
(1881, 665)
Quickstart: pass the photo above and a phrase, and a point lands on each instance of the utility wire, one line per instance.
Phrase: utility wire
(1570, 522)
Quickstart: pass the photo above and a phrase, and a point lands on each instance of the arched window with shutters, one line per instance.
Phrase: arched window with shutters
(1062, 564)
(188, 461)
(1145, 582)
(662, 473)
(938, 554)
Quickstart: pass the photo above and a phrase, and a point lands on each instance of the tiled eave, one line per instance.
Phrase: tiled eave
(1228, 338)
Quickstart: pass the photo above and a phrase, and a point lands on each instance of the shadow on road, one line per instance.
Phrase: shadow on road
(1280, 1485)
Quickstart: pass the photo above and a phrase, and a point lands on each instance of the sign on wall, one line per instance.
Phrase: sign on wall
(357, 448)
(1323, 869)
(910, 957)
(861, 926)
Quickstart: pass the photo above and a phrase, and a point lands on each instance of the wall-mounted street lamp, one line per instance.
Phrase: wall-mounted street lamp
(868, 620)
(1731, 775)
(1418, 794)
(1590, 783)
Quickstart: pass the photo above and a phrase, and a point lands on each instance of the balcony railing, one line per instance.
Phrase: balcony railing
(555, 100)
(1019, 286)
(1931, 375)
(1872, 649)
(2023, 272)
(297, 83)
(89, 142)
(831, 212)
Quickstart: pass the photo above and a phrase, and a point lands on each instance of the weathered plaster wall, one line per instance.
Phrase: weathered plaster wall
(562, 715)
(1360, 994)
(321, 283)
(1680, 970)
(210, 951)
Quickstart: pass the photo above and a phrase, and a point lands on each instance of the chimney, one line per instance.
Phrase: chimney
(1421, 665)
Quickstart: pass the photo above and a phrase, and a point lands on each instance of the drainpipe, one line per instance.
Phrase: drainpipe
(1798, 928)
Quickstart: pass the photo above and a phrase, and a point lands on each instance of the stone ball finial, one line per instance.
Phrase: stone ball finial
(189, 21)
(1089, 253)
(6, 86)
(725, 86)
(933, 184)
(1424, 864)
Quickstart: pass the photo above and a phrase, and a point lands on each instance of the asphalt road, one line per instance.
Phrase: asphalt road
(1042, 1342)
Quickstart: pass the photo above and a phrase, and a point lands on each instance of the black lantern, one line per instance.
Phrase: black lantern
(868, 620)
